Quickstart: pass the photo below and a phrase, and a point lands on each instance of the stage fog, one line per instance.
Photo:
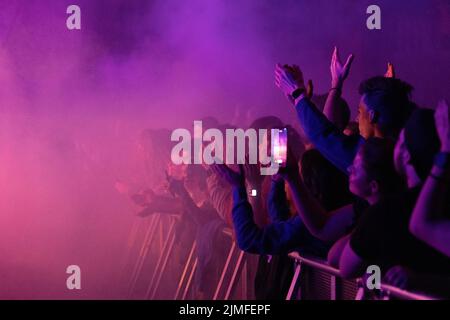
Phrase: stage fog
(75, 106)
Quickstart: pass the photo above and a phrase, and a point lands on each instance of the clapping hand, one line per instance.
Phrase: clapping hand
(339, 72)
(288, 79)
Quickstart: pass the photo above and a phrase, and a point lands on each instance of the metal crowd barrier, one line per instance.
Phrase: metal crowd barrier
(386, 292)
(233, 273)
(313, 278)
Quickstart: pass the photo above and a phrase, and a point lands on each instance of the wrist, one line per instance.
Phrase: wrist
(445, 148)
(299, 97)
(338, 84)
(297, 92)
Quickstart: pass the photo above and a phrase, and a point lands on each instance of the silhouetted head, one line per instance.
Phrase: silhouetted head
(384, 107)
(417, 144)
(326, 183)
(372, 174)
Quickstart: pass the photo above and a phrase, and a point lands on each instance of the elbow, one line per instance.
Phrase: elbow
(348, 272)
(413, 228)
(247, 248)
(245, 244)
(417, 229)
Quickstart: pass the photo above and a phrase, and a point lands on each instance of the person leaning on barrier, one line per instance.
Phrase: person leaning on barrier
(372, 177)
(197, 209)
(382, 236)
(430, 220)
(284, 233)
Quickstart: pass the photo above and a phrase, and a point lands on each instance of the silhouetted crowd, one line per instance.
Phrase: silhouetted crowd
(371, 192)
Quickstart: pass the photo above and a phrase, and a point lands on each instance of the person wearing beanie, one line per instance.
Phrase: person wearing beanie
(382, 236)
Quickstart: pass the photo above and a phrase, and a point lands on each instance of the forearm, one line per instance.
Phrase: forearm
(190, 208)
(427, 222)
(331, 109)
(257, 205)
(246, 230)
(276, 238)
(277, 202)
(164, 204)
(311, 212)
(338, 148)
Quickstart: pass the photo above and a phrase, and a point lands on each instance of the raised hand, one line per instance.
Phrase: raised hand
(339, 72)
(390, 72)
(236, 179)
(288, 79)
(442, 120)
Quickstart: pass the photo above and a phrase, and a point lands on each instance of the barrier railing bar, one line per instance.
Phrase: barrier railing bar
(387, 289)
(333, 287)
(161, 257)
(163, 268)
(403, 294)
(151, 231)
(185, 270)
(298, 268)
(224, 271)
(189, 282)
(236, 275)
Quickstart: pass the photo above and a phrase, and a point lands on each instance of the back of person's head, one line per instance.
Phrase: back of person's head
(421, 140)
(377, 157)
(209, 123)
(326, 183)
(295, 143)
(267, 122)
(389, 101)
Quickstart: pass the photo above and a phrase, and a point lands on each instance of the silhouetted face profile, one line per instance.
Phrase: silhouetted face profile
(366, 128)
(359, 182)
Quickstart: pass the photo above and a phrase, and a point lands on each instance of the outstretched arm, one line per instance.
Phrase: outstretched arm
(338, 148)
(276, 238)
(327, 226)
